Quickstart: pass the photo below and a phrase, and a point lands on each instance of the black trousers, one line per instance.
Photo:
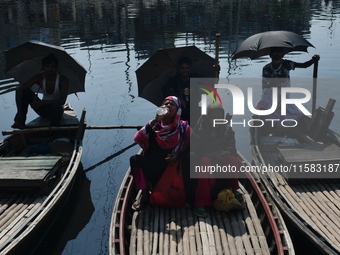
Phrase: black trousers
(53, 112)
(155, 164)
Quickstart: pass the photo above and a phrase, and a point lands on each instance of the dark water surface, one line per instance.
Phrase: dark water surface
(113, 38)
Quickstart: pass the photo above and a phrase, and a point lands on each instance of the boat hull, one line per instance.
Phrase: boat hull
(308, 204)
(180, 230)
(28, 216)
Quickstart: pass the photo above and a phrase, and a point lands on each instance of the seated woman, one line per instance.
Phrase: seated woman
(163, 140)
(218, 145)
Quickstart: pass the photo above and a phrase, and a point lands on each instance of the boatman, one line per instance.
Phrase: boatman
(54, 88)
(179, 85)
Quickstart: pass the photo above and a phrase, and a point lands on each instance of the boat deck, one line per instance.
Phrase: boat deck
(159, 230)
(27, 172)
(318, 202)
(258, 228)
(38, 167)
(315, 201)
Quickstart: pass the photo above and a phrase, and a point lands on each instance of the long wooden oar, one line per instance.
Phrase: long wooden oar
(109, 157)
(8, 86)
(217, 50)
(6, 81)
(114, 127)
(40, 129)
(315, 76)
(7, 91)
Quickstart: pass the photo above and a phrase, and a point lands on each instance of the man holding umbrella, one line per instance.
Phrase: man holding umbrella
(279, 68)
(54, 88)
(276, 74)
(179, 85)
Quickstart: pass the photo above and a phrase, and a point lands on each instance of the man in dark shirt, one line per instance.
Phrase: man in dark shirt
(179, 85)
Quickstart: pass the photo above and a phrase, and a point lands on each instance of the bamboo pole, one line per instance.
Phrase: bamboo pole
(210, 233)
(146, 231)
(166, 232)
(179, 232)
(114, 127)
(8, 80)
(199, 245)
(204, 235)
(133, 236)
(236, 233)
(217, 50)
(110, 157)
(173, 232)
(140, 232)
(191, 231)
(229, 233)
(161, 231)
(315, 76)
(151, 225)
(155, 238)
(7, 91)
(250, 224)
(8, 86)
(42, 129)
(222, 232)
(217, 237)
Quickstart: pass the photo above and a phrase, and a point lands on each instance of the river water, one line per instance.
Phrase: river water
(111, 39)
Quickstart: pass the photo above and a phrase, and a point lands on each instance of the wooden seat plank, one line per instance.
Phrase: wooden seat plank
(24, 172)
(69, 118)
(180, 231)
(306, 154)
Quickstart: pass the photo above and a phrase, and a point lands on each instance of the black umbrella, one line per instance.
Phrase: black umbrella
(24, 61)
(259, 44)
(155, 72)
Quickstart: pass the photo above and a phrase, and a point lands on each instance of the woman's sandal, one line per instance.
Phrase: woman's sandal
(238, 195)
(200, 212)
(141, 201)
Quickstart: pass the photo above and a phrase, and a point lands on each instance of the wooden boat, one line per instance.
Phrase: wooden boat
(259, 229)
(309, 201)
(38, 168)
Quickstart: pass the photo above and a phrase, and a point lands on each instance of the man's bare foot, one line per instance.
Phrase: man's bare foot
(18, 125)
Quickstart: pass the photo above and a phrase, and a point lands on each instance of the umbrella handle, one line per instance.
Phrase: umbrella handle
(217, 50)
(315, 76)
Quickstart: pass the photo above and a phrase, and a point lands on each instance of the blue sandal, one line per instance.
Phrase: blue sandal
(238, 196)
(200, 212)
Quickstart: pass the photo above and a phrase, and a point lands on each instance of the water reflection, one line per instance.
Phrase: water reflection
(112, 38)
(149, 24)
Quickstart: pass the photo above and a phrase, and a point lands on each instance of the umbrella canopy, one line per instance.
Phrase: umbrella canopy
(24, 61)
(162, 65)
(259, 44)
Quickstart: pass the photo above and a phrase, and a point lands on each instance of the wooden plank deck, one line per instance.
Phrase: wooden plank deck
(316, 201)
(170, 231)
(24, 172)
(310, 154)
(318, 204)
